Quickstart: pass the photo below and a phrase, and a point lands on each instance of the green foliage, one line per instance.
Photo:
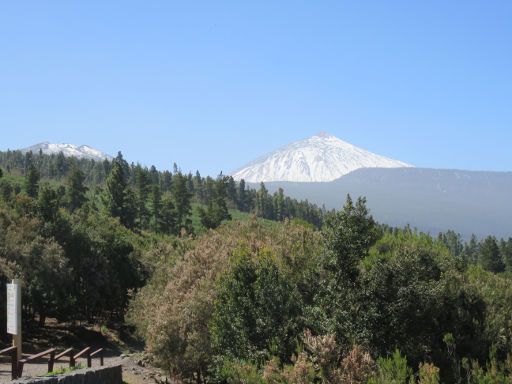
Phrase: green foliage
(32, 181)
(490, 257)
(496, 293)
(118, 198)
(76, 190)
(348, 236)
(182, 199)
(174, 310)
(232, 304)
(217, 210)
(64, 370)
(392, 370)
(236, 372)
(257, 310)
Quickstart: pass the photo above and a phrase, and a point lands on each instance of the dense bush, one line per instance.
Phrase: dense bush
(174, 314)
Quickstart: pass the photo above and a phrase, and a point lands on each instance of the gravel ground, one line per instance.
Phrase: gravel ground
(135, 370)
(119, 348)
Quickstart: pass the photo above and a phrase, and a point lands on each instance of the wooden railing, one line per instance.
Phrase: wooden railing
(13, 353)
(17, 366)
(51, 360)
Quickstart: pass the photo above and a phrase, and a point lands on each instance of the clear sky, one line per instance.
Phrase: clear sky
(212, 85)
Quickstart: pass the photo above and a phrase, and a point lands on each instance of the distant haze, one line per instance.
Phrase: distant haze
(431, 200)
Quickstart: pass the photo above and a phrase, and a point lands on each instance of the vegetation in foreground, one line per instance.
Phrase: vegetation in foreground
(254, 301)
(355, 303)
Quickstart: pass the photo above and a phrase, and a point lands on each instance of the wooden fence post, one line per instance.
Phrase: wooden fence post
(51, 361)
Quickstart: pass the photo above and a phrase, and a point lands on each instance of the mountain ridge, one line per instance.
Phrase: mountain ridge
(68, 150)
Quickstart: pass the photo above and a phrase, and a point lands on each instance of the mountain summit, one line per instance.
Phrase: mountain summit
(69, 150)
(321, 158)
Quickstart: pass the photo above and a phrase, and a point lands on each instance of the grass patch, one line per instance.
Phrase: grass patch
(63, 371)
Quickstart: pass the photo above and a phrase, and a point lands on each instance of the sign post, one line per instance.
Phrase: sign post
(14, 314)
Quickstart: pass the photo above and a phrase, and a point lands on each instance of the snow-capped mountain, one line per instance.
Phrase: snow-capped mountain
(321, 158)
(69, 150)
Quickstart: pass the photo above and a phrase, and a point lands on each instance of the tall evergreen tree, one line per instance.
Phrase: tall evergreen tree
(264, 203)
(32, 181)
(75, 195)
(217, 210)
(181, 196)
(48, 203)
(168, 215)
(231, 192)
(506, 253)
(490, 256)
(118, 199)
(166, 181)
(471, 250)
(142, 180)
(156, 207)
(279, 205)
(242, 197)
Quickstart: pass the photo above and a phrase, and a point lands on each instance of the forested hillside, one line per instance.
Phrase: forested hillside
(306, 297)
(79, 234)
(148, 193)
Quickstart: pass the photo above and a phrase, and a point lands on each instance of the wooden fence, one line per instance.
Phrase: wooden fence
(17, 366)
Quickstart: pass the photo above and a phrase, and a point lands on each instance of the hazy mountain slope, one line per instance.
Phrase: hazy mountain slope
(69, 150)
(320, 158)
(431, 200)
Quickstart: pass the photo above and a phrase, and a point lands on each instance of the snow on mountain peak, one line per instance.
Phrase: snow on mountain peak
(68, 150)
(320, 158)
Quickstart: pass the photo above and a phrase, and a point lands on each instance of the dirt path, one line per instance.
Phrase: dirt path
(135, 370)
(119, 348)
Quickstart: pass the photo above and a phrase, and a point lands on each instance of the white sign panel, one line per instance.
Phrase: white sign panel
(13, 308)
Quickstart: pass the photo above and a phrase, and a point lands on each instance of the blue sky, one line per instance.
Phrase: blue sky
(212, 85)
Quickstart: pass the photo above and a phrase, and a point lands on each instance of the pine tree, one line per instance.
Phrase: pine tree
(263, 203)
(62, 165)
(1, 173)
(156, 207)
(279, 205)
(490, 257)
(453, 242)
(166, 181)
(471, 250)
(141, 188)
(153, 175)
(231, 192)
(198, 186)
(32, 181)
(242, 197)
(217, 210)
(168, 215)
(182, 206)
(48, 203)
(118, 199)
(76, 190)
(506, 253)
